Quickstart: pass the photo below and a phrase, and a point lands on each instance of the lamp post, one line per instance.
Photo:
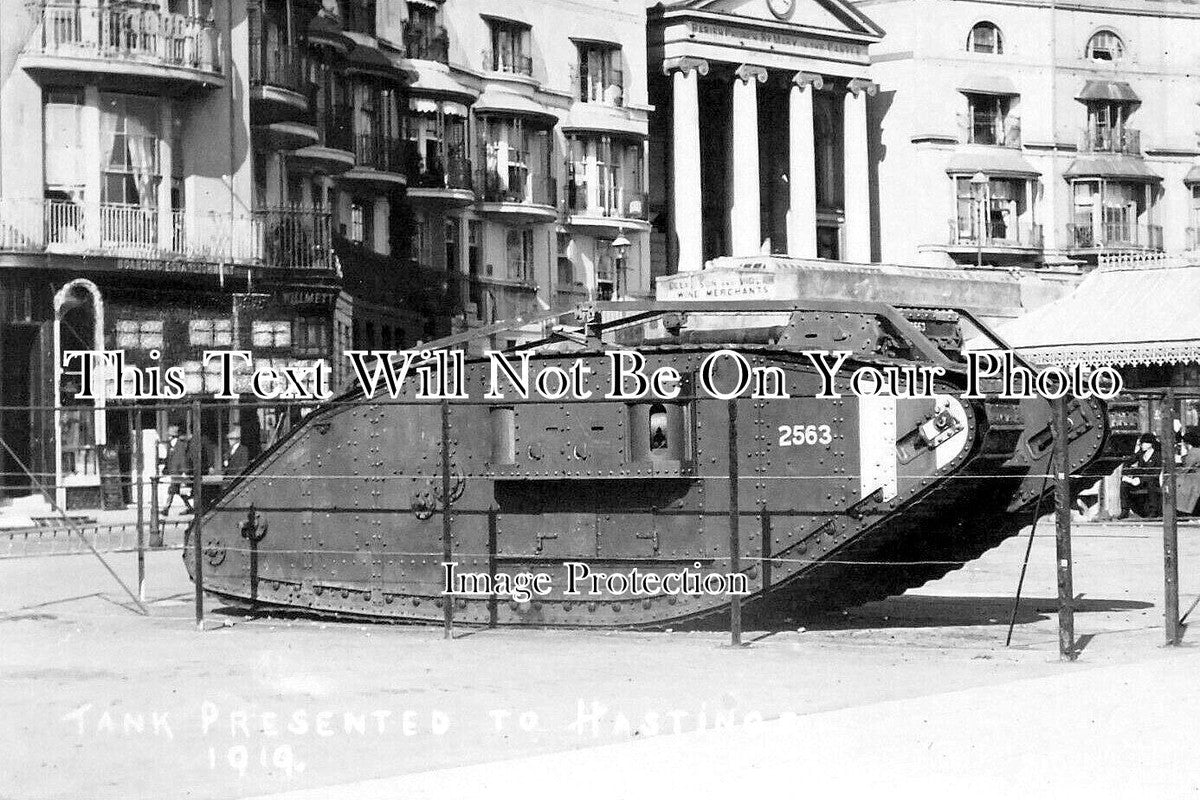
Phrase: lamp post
(979, 184)
(620, 246)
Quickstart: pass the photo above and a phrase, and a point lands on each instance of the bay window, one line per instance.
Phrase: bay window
(1112, 213)
(989, 121)
(606, 176)
(517, 160)
(997, 212)
(436, 132)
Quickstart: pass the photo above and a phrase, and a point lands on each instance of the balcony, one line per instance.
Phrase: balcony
(997, 130)
(614, 208)
(334, 151)
(427, 43)
(508, 62)
(127, 46)
(292, 238)
(296, 237)
(1023, 237)
(279, 88)
(378, 160)
(444, 180)
(1114, 236)
(518, 194)
(1119, 141)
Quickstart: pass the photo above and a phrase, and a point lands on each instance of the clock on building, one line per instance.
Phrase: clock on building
(782, 8)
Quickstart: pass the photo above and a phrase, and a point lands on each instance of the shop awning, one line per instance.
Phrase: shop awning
(998, 161)
(1128, 315)
(1193, 175)
(1116, 167)
(1108, 90)
(987, 84)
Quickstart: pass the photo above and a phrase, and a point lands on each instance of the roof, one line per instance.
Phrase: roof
(1000, 161)
(1119, 315)
(1123, 167)
(987, 84)
(517, 105)
(1108, 90)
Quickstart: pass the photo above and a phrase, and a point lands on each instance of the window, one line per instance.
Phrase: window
(518, 161)
(140, 334)
(453, 236)
(1193, 232)
(510, 48)
(312, 335)
(129, 136)
(210, 332)
(1105, 213)
(361, 222)
(985, 38)
(200, 377)
(600, 77)
(63, 158)
(1001, 203)
(988, 114)
(1105, 46)
(519, 253)
(1107, 131)
(422, 241)
(605, 177)
(271, 333)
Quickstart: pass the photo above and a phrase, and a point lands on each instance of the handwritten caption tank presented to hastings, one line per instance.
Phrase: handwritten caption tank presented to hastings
(622, 511)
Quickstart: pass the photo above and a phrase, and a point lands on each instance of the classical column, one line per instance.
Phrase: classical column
(686, 210)
(745, 210)
(802, 167)
(857, 182)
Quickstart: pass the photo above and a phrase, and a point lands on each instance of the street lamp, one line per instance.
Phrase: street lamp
(979, 183)
(620, 246)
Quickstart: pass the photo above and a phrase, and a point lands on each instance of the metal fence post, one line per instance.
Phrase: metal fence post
(447, 555)
(1170, 530)
(1062, 533)
(197, 510)
(735, 601)
(135, 430)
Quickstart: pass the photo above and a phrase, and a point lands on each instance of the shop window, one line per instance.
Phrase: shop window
(210, 332)
(271, 333)
(140, 334)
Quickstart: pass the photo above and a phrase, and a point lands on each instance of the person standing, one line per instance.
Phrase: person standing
(1187, 481)
(175, 467)
(236, 459)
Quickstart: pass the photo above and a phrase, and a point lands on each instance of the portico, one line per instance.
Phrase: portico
(766, 150)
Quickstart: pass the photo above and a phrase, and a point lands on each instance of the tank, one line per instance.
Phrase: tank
(368, 507)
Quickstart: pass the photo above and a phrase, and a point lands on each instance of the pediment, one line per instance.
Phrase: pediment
(836, 16)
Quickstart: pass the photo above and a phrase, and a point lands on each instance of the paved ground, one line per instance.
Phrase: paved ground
(914, 693)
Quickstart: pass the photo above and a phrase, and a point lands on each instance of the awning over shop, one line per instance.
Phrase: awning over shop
(987, 84)
(1128, 315)
(998, 161)
(1193, 175)
(1118, 167)
(1119, 91)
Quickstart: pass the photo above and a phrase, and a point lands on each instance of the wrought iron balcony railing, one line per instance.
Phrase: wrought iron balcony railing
(1029, 236)
(291, 237)
(449, 171)
(613, 200)
(981, 127)
(507, 61)
(278, 67)
(519, 187)
(1120, 140)
(1114, 236)
(383, 153)
(117, 33)
(335, 128)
